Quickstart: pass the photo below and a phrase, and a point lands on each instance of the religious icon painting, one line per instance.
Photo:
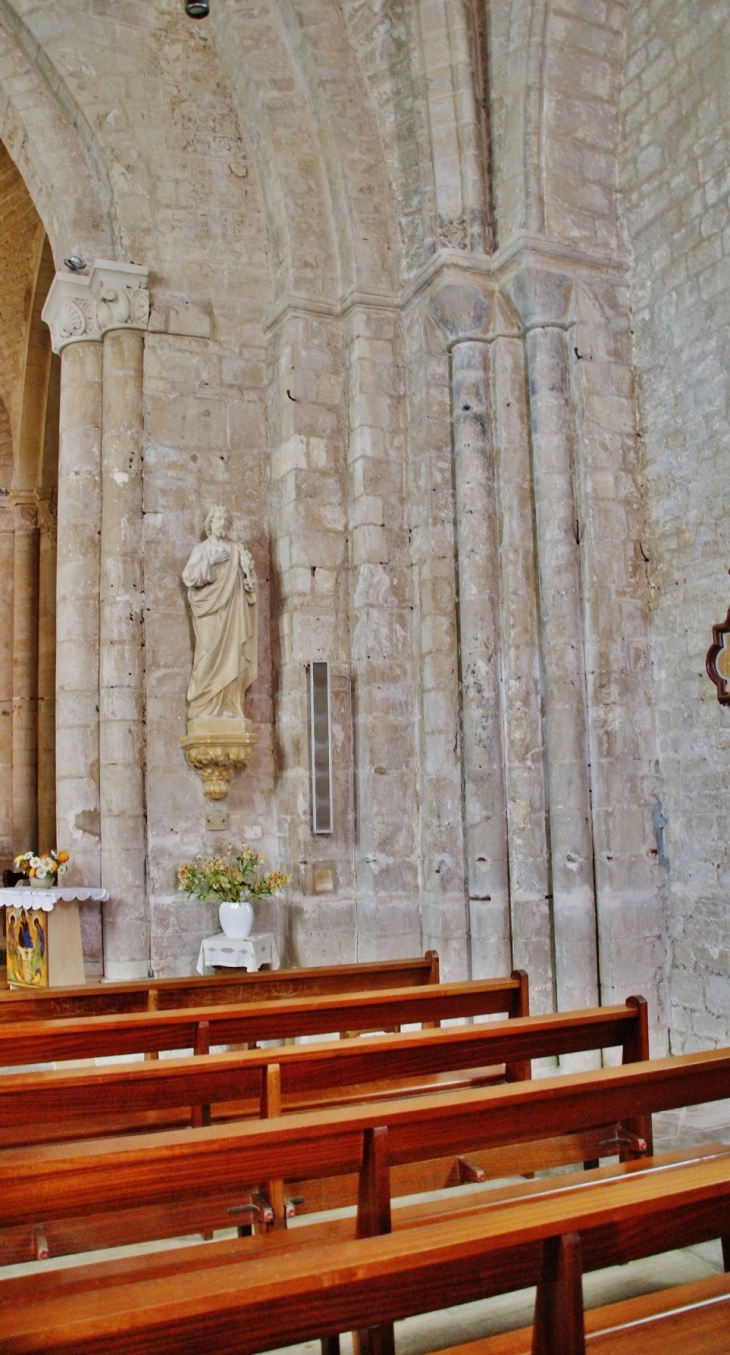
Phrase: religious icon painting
(27, 947)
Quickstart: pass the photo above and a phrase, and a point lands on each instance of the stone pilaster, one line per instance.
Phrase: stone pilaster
(524, 751)
(97, 541)
(47, 526)
(121, 660)
(485, 810)
(310, 621)
(445, 913)
(544, 300)
(77, 612)
(625, 789)
(381, 630)
(7, 546)
(25, 674)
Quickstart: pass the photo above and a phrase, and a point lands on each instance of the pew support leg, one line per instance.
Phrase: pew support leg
(374, 1219)
(558, 1328)
(273, 1191)
(725, 1243)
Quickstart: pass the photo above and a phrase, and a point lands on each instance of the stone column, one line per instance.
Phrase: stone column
(121, 687)
(524, 752)
(80, 311)
(47, 674)
(6, 681)
(463, 308)
(444, 904)
(74, 334)
(544, 299)
(485, 810)
(25, 675)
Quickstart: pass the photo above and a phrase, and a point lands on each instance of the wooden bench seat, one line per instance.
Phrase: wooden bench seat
(52, 1106)
(34, 1042)
(310, 1232)
(688, 1319)
(132, 1098)
(113, 999)
(245, 1306)
(380, 1149)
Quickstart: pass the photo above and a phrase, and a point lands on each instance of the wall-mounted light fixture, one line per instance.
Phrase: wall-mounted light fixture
(197, 9)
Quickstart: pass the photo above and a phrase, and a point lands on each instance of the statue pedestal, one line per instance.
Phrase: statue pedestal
(217, 748)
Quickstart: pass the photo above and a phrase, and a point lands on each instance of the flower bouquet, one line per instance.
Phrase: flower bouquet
(42, 871)
(233, 881)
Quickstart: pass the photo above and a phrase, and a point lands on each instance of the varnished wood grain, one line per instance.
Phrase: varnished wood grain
(249, 1306)
(352, 1069)
(69, 1180)
(646, 1324)
(110, 999)
(102, 1036)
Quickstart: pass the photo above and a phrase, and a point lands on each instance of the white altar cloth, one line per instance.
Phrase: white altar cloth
(255, 950)
(24, 896)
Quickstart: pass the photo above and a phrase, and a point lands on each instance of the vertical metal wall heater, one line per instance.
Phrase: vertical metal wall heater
(321, 746)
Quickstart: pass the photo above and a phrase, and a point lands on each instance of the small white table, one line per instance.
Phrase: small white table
(43, 940)
(255, 950)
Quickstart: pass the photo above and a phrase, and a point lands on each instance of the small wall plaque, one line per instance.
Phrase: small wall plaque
(216, 821)
(718, 660)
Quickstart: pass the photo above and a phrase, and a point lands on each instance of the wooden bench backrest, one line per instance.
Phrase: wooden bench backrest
(27, 1099)
(71, 1180)
(32, 1042)
(250, 1305)
(110, 999)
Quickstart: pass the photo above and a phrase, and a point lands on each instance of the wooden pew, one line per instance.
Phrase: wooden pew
(245, 1306)
(380, 1143)
(33, 1042)
(114, 999)
(689, 1319)
(81, 1103)
(43, 1107)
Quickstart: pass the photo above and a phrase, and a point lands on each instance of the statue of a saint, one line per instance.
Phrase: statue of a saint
(221, 583)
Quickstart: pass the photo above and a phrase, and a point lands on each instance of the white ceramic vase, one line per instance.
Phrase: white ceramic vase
(236, 919)
(48, 882)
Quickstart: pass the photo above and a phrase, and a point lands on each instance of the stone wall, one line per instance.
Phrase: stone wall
(674, 184)
(390, 325)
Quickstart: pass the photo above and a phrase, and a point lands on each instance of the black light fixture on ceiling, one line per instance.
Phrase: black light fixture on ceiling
(197, 9)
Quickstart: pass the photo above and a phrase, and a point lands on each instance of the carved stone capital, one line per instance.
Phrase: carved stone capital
(542, 297)
(217, 748)
(25, 510)
(48, 515)
(82, 308)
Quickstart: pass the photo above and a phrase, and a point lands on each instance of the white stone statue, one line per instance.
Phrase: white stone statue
(221, 583)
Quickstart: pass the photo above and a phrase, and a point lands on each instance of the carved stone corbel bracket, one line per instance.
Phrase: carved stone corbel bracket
(84, 307)
(217, 749)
